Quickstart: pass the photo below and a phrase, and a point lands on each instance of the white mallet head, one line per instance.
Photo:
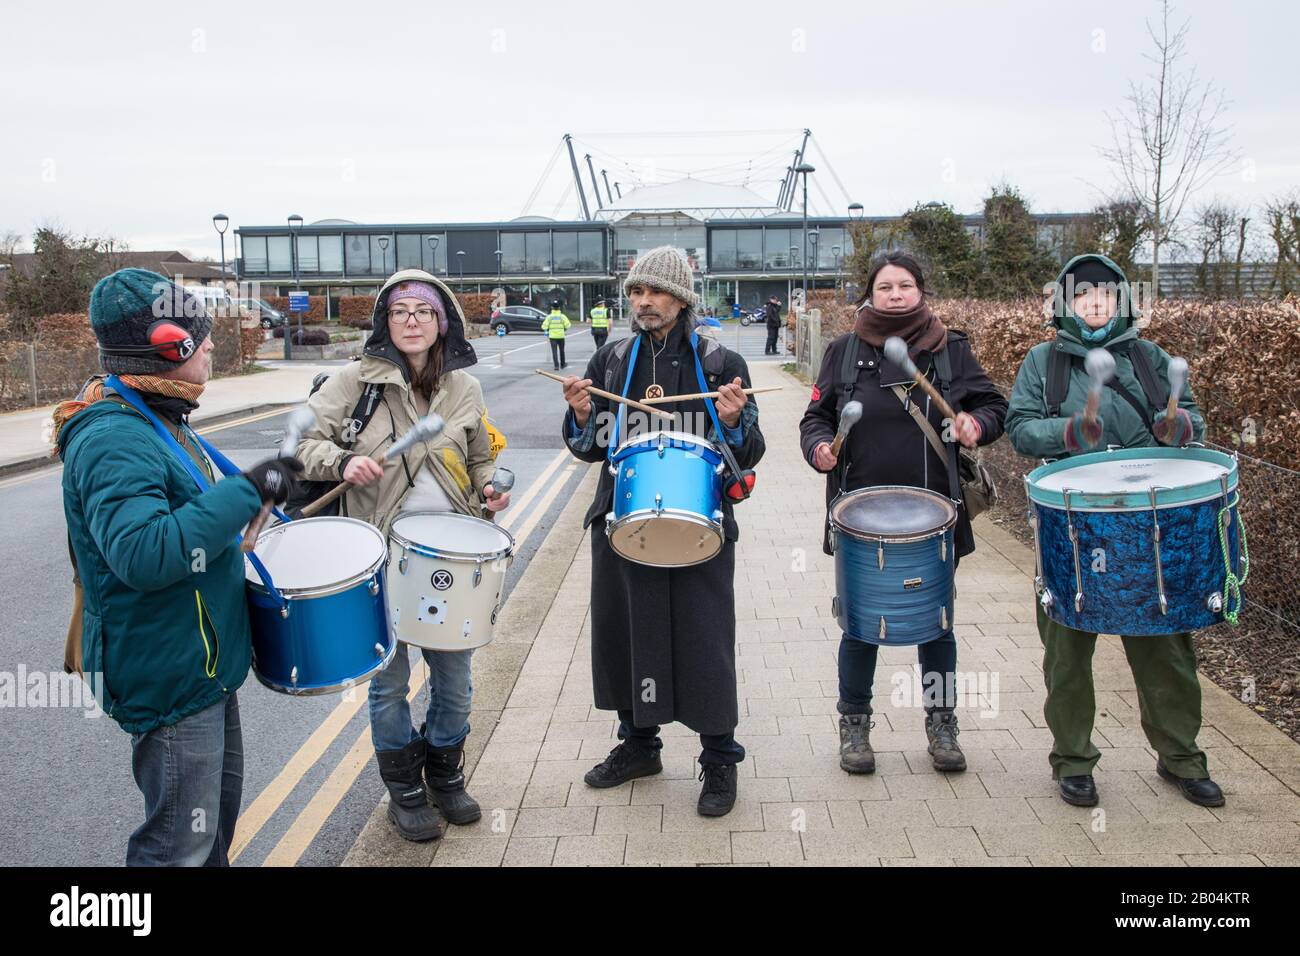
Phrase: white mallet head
(503, 479)
(300, 419)
(1100, 366)
(1177, 375)
(896, 352)
(427, 428)
(850, 416)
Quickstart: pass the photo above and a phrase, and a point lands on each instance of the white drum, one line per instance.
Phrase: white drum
(445, 574)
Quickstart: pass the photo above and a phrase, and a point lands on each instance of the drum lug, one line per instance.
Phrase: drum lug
(1074, 542)
(466, 628)
(833, 538)
(1045, 599)
(374, 586)
(1215, 602)
(284, 610)
(401, 563)
(943, 547)
(379, 650)
(882, 629)
(293, 676)
(1155, 542)
(835, 605)
(478, 573)
(880, 560)
(613, 470)
(495, 611)
(659, 499)
(943, 617)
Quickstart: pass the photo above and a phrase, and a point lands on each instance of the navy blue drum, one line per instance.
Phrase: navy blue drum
(324, 626)
(894, 564)
(1138, 541)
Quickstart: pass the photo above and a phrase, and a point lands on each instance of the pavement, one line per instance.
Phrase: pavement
(536, 733)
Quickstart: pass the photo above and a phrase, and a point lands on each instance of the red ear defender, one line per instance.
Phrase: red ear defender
(738, 489)
(171, 341)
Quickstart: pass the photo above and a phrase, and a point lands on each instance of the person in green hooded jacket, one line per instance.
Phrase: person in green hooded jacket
(1092, 307)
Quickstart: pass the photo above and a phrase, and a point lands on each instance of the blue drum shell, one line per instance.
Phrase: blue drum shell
(684, 479)
(1124, 598)
(331, 639)
(865, 593)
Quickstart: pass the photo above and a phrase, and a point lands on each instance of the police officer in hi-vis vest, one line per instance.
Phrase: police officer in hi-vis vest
(554, 325)
(600, 323)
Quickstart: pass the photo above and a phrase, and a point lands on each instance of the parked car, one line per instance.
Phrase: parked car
(517, 318)
(271, 316)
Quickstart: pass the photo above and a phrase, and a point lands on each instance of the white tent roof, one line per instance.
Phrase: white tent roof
(695, 197)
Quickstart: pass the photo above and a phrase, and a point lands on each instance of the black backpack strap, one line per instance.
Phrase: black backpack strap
(1059, 364)
(615, 361)
(847, 378)
(1156, 391)
(943, 366)
(362, 412)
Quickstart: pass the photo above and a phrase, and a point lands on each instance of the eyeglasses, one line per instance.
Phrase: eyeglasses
(423, 316)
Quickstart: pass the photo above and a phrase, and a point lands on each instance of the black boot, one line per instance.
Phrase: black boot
(444, 773)
(718, 795)
(1079, 791)
(1203, 792)
(625, 762)
(408, 805)
(941, 729)
(856, 755)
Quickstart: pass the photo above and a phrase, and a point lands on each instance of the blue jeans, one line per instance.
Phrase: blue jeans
(192, 776)
(450, 691)
(714, 748)
(938, 660)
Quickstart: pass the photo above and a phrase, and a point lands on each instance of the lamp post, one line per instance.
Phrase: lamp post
(460, 267)
(498, 254)
(803, 169)
(219, 222)
(295, 223)
(433, 251)
(835, 251)
(383, 251)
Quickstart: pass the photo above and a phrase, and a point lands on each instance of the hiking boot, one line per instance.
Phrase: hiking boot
(408, 805)
(718, 795)
(1203, 792)
(941, 729)
(625, 762)
(856, 755)
(445, 776)
(1079, 790)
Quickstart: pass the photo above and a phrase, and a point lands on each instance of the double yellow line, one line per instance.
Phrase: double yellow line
(305, 827)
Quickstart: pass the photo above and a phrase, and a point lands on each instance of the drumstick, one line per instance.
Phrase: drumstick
(300, 419)
(611, 396)
(896, 352)
(503, 479)
(1100, 366)
(1177, 379)
(426, 429)
(683, 398)
(848, 418)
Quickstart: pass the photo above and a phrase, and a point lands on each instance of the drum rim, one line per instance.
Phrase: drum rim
(330, 688)
(691, 517)
(326, 590)
(909, 537)
(672, 435)
(1166, 497)
(426, 551)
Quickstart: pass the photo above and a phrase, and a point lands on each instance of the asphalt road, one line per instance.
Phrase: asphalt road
(68, 795)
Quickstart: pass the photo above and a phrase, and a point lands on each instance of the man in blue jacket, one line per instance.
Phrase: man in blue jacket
(165, 633)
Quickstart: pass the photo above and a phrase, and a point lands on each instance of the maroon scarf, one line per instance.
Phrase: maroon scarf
(919, 328)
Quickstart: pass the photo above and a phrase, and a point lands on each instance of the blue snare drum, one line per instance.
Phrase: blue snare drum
(667, 500)
(328, 629)
(894, 564)
(1137, 540)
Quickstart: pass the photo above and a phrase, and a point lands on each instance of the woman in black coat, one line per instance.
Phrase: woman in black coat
(888, 447)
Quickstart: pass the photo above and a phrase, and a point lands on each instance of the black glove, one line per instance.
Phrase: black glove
(274, 478)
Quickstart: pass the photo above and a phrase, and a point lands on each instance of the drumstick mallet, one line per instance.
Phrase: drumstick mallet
(896, 352)
(426, 429)
(848, 418)
(593, 390)
(300, 419)
(503, 479)
(1100, 366)
(1177, 379)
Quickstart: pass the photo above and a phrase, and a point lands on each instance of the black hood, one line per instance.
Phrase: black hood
(458, 353)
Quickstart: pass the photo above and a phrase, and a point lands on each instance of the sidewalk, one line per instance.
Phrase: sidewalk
(22, 434)
(795, 805)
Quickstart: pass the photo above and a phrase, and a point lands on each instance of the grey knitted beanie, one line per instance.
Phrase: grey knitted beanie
(667, 270)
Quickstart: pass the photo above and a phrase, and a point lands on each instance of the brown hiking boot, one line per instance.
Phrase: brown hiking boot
(856, 755)
(941, 729)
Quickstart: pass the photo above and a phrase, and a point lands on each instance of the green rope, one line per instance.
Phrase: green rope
(1231, 583)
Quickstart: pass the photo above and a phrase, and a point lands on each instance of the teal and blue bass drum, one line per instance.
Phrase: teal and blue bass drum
(1138, 541)
(894, 564)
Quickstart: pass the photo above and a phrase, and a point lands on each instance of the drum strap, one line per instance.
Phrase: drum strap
(947, 454)
(223, 463)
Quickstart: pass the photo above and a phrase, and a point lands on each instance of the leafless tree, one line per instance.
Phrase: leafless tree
(1282, 215)
(1170, 140)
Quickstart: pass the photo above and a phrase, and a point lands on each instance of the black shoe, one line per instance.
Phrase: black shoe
(445, 776)
(408, 805)
(1203, 792)
(718, 795)
(625, 762)
(941, 729)
(856, 755)
(1080, 791)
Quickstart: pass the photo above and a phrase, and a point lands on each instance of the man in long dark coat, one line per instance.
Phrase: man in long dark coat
(663, 644)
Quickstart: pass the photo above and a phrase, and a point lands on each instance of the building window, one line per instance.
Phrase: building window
(749, 248)
(408, 252)
(357, 255)
(254, 253)
(566, 251)
(435, 260)
(381, 260)
(776, 248)
(277, 248)
(722, 253)
(331, 254)
(307, 258)
(512, 252)
(537, 252)
(591, 252)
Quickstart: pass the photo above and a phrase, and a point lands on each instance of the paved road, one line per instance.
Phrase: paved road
(68, 797)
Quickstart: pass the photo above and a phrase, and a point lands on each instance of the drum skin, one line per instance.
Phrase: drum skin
(684, 525)
(913, 592)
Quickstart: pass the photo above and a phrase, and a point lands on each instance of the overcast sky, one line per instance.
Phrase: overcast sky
(142, 120)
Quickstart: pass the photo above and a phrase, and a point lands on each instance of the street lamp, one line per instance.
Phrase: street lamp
(219, 222)
(433, 250)
(498, 254)
(814, 237)
(460, 267)
(803, 169)
(856, 212)
(835, 251)
(295, 223)
(383, 250)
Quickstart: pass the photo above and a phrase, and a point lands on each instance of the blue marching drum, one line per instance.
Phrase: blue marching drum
(322, 625)
(667, 510)
(1138, 541)
(894, 564)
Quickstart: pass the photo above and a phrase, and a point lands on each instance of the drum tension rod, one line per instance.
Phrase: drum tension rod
(1074, 541)
(1155, 542)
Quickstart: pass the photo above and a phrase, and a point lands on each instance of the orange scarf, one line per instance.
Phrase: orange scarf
(94, 392)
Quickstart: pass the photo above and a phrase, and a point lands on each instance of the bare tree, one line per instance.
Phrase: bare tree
(1217, 227)
(1170, 141)
(1282, 215)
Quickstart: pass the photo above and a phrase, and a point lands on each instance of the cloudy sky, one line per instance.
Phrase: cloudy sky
(140, 121)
